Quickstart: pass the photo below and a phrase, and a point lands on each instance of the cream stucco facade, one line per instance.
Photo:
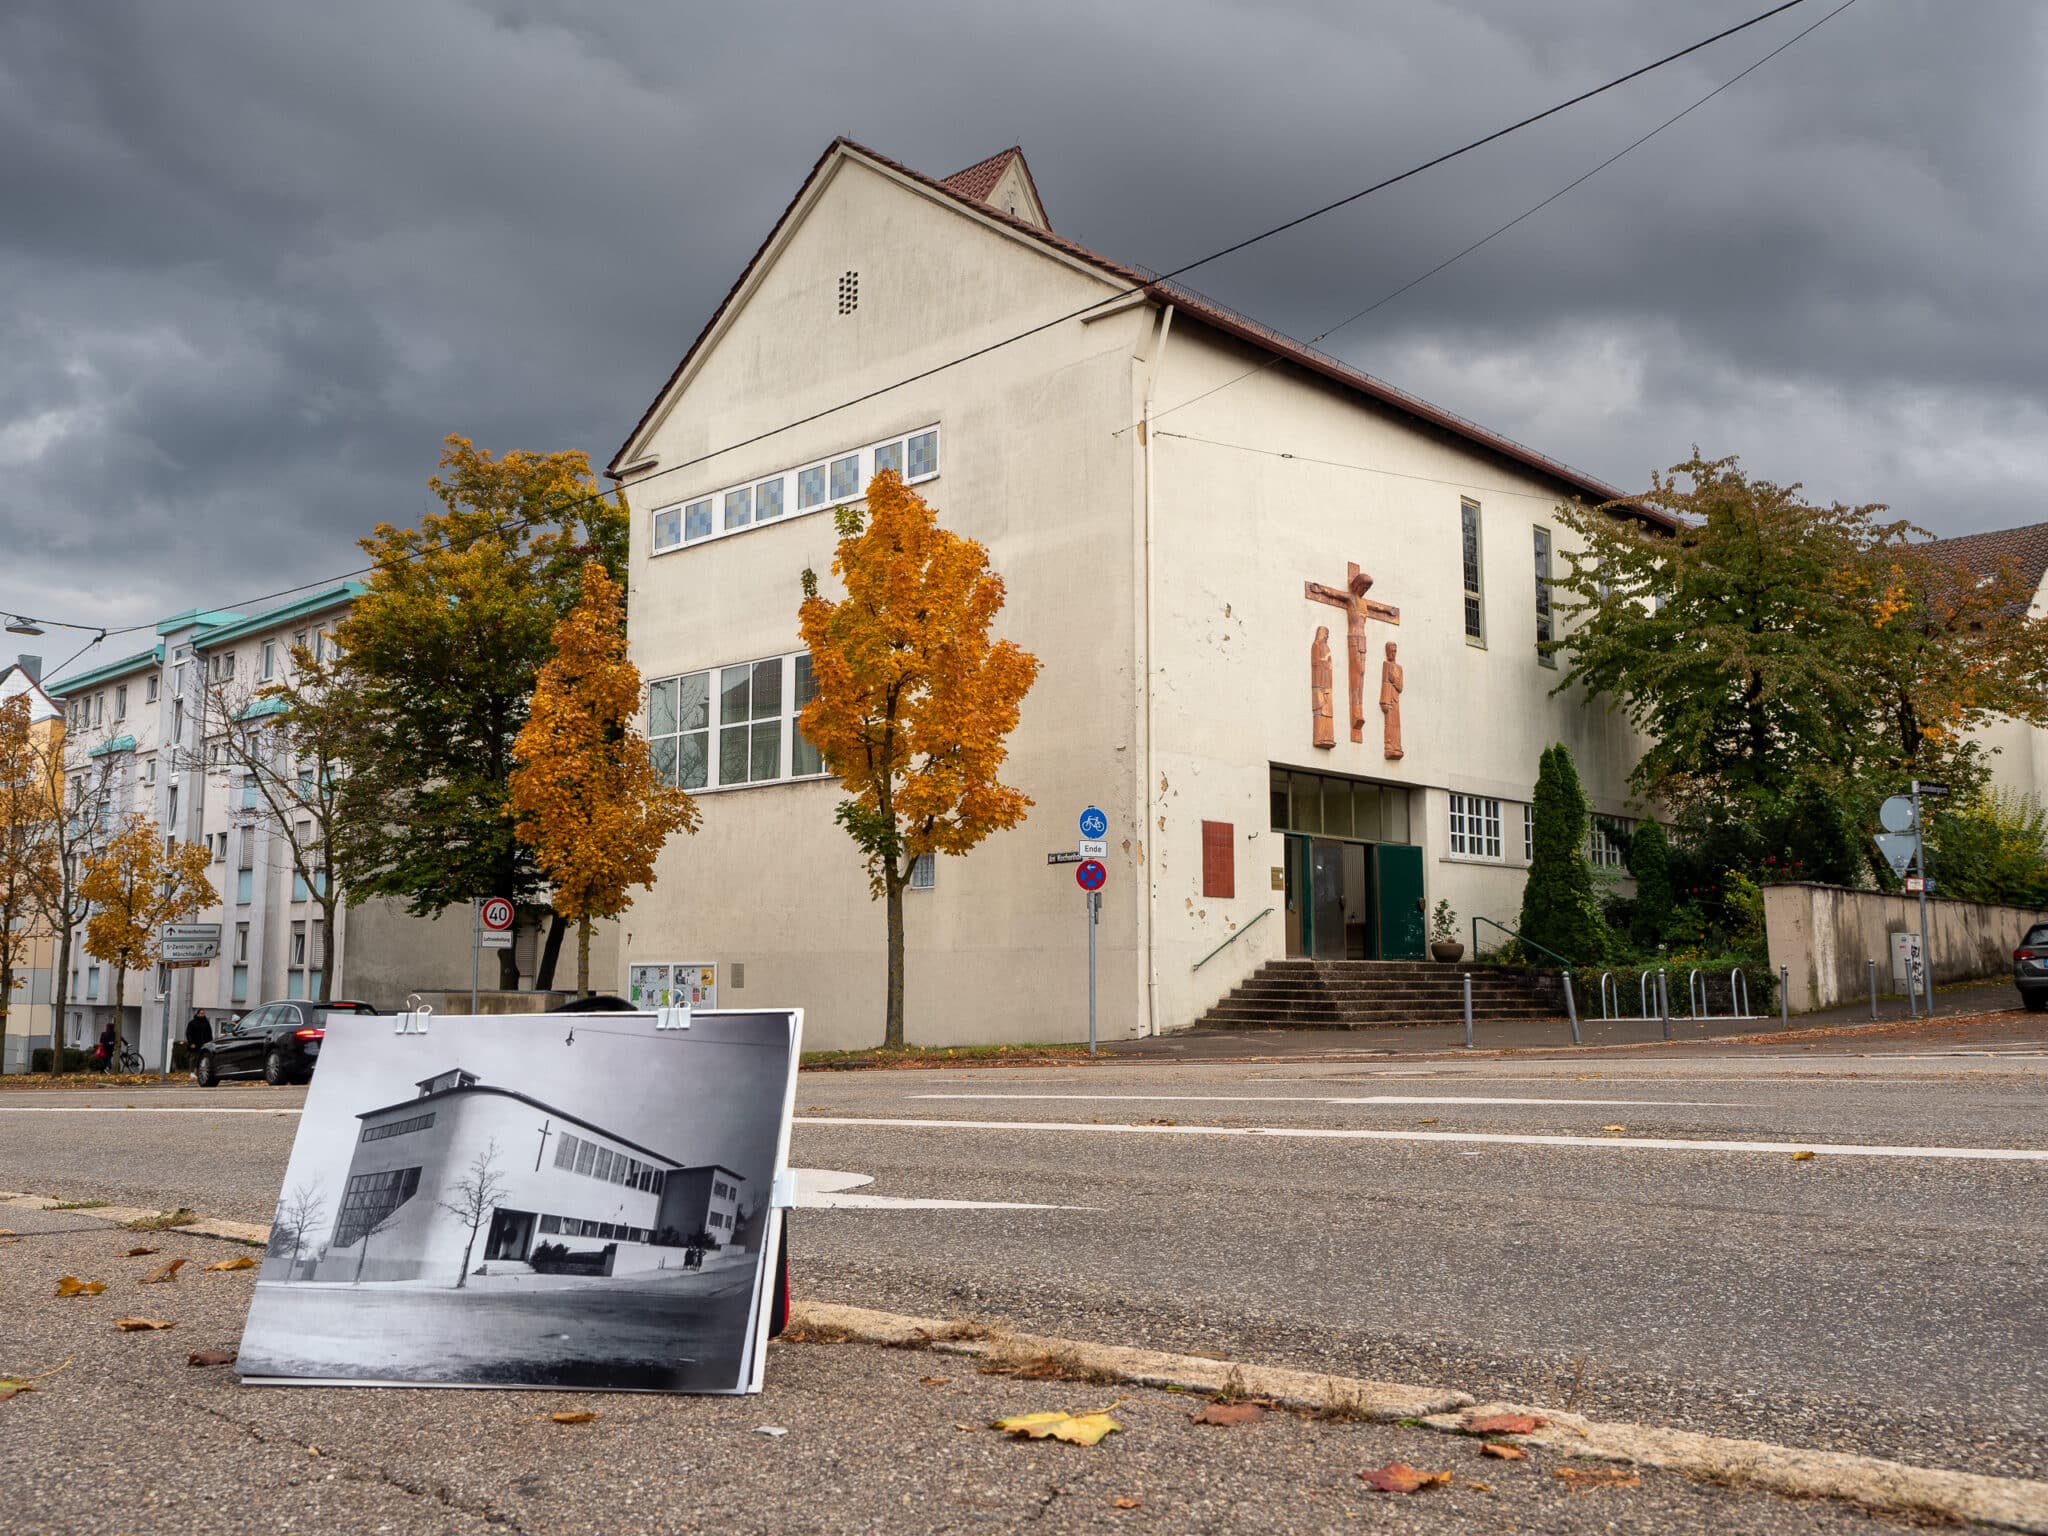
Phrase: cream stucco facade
(1158, 574)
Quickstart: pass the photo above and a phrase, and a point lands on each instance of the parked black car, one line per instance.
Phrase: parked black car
(281, 1041)
(2030, 968)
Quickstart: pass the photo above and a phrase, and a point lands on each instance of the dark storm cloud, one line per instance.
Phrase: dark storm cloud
(258, 259)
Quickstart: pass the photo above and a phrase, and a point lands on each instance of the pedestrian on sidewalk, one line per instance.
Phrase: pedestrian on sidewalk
(103, 1053)
(199, 1032)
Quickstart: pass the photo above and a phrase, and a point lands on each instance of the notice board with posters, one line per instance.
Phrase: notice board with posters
(582, 1201)
(677, 984)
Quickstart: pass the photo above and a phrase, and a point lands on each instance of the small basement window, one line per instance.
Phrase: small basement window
(849, 292)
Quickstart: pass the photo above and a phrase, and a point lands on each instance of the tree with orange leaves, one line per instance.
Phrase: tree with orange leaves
(585, 796)
(914, 701)
(140, 881)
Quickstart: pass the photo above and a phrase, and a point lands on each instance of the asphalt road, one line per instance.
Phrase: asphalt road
(1887, 1300)
(124, 1438)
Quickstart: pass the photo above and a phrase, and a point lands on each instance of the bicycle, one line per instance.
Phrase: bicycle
(130, 1060)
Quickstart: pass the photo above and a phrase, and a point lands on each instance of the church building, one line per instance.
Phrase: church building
(1288, 619)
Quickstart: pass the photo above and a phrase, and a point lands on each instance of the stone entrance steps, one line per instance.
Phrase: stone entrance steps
(1381, 994)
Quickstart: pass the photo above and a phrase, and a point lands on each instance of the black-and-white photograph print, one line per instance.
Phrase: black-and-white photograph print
(555, 1200)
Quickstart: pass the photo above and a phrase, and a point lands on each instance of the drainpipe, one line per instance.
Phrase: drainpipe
(1148, 828)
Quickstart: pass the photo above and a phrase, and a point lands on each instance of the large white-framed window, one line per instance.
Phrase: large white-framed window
(829, 482)
(1475, 827)
(729, 726)
(1469, 557)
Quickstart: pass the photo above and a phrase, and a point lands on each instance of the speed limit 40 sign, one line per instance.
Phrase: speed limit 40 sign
(497, 914)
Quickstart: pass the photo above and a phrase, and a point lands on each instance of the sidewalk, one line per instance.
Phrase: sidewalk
(1966, 1000)
(121, 1434)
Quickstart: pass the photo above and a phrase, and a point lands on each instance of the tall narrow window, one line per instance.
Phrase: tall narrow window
(1544, 631)
(1475, 607)
(121, 702)
(269, 660)
(803, 757)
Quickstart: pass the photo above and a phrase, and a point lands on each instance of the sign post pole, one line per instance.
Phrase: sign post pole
(1093, 902)
(476, 949)
(1920, 864)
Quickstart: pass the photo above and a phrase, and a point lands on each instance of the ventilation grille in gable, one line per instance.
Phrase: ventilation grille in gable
(849, 292)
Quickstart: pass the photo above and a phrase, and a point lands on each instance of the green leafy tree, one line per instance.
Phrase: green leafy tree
(1990, 847)
(1736, 643)
(1559, 911)
(1649, 862)
(439, 662)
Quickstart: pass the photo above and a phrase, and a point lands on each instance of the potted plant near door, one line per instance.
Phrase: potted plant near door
(1444, 943)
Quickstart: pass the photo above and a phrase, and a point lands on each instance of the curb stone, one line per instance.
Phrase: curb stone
(2010, 1503)
(121, 1215)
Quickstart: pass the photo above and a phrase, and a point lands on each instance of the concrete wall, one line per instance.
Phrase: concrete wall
(1281, 478)
(1827, 937)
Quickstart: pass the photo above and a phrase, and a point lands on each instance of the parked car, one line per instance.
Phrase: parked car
(278, 1041)
(2030, 968)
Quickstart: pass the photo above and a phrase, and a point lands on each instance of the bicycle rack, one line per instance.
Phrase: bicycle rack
(1738, 992)
(1696, 1000)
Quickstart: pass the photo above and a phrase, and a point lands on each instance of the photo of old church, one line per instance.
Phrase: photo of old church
(527, 1202)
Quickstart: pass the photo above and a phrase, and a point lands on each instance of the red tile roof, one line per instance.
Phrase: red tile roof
(979, 179)
(1190, 305)
(1983, 553)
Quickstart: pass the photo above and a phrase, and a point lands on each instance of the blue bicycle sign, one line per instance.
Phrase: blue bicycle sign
(1093, 823)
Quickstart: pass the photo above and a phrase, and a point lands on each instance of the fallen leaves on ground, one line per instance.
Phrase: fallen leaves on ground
(1126, 1503)
(1500, 1450)
(11, 1385)
(1612, 1129)
(1074, 1428)
(1597, 1477)
(772, 1431)
(135, 1253)
(71, 1285)
(141, 1324)
(8, 1232)
(1399, 1477)
(1229, 1413)
(164, 1273)
(205, 1357)
(580, 1416)
(934, 1381)
(243, 1262)
(1430, 1121)
(1802, 1157)
(1505, 1424)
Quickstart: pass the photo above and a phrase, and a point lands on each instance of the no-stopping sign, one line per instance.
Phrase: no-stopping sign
(1089, 874)
(497, 914)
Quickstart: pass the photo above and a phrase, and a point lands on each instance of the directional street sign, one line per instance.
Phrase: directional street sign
(1093, 823)
(497, 914)
(190, 951)
(1092, 849)
(1897, 848)
(1931, 791)
(1090, 875)
(1063, 858)
(178, 933)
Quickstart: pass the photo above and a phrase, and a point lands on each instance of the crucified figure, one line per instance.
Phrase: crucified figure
(1357, 609)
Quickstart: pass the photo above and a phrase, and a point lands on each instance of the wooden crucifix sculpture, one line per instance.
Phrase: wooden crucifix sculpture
(1357, 609)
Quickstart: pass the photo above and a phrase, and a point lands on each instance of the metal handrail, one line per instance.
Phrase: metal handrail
(1247, 928)
(1563, 963)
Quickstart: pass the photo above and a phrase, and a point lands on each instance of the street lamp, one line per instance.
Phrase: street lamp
(19, 625)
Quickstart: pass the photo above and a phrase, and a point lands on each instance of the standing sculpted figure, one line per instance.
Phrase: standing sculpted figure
(1391, 684)
(1320, 681)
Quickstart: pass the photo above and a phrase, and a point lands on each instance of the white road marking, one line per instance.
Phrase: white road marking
(822, 1189)
(1493, 1138)
(132, 1109)
(1374, 1098)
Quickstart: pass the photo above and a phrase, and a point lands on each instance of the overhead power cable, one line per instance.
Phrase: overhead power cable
(552, 513)
(1580, 180)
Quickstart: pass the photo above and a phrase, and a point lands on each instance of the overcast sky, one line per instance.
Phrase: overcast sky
(256, 259)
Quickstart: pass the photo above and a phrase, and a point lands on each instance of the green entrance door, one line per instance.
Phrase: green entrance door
(1397, 898)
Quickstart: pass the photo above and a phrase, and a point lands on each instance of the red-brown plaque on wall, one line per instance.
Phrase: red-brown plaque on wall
(1219, 861)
